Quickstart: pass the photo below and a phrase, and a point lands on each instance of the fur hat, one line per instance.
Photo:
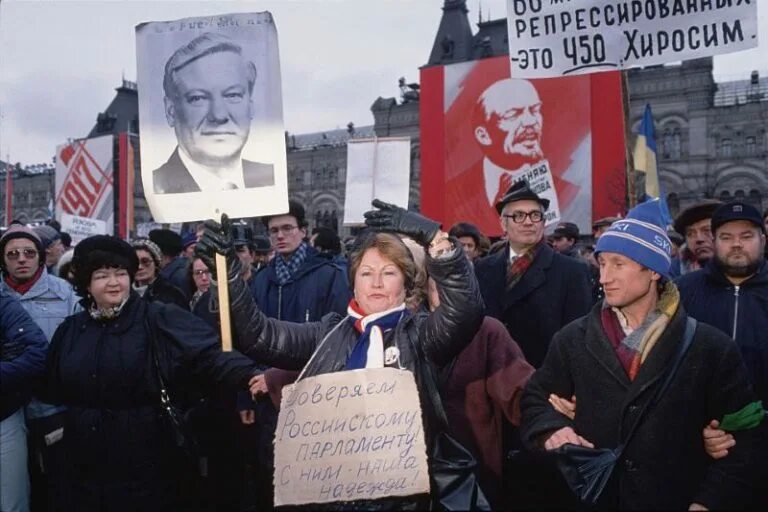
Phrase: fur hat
(101, 251)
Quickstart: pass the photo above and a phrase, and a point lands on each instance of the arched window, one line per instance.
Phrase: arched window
(726, 147)
(725, 196)
(751, 146)
(756, 199)
(740, 195)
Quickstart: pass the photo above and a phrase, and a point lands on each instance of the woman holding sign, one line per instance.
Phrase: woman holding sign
(377, 332)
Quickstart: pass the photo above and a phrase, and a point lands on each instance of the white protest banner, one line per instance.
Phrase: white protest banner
(143, 228)
(211, 111)
(84, 180)
(550, 38)
(354, 435)
(80, 228)
(376, 169)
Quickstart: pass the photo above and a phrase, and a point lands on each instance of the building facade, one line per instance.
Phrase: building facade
(712, 137)
(33, 192)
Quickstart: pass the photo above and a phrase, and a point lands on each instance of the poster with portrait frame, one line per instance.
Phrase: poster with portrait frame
(565, 136)
(211, 117)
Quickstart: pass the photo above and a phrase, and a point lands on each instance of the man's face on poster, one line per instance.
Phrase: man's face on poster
(212, 110)
(511, 134)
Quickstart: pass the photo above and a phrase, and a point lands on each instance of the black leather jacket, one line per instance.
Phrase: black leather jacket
(425, 340)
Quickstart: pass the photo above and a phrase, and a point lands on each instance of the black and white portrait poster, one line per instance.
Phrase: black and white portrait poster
(211, 117)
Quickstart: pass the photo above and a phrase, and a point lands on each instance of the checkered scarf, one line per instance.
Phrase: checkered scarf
(516, 270)
(285, 269)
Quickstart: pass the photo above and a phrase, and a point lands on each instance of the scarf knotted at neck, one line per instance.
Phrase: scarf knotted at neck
(522, 263)
(369, 349)
(22, 288)
(632, 349)
(285, 269)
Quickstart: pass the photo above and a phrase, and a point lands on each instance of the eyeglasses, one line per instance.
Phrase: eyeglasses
(286, 230)
(145, 262)
(519, 217)
(14, 254)
(202, 272)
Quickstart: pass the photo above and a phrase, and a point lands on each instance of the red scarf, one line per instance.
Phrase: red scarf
(628, 358)
(22, 288)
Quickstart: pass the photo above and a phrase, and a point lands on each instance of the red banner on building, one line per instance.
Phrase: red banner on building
(84, 185)
(127, 181)
(481, 130)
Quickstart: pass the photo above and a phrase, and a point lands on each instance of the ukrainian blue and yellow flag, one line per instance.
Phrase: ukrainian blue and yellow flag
(645, 161)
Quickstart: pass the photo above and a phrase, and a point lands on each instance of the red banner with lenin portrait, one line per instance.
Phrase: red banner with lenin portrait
(481, 131)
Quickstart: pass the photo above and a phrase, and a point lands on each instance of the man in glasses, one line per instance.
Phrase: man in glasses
(534, 292)
(532, 289)
(48, 300)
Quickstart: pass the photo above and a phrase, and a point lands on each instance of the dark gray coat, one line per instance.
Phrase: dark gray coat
(664, 465)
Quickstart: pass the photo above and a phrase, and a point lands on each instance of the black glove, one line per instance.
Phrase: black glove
(217, 238)
(10, 350)
(389, 217)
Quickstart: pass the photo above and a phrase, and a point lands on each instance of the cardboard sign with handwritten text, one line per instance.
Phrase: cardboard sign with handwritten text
(345, 436)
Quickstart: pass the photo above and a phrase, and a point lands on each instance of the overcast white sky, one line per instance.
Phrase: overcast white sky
(60, 61)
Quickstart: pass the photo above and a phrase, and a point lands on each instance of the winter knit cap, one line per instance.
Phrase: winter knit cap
(640, 238)
(20, 231)
(47, 235)
(145, 244)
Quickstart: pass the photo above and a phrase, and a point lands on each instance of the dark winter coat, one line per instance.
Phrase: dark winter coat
(177, 273)
(664, 466)
(22, 355)
(161, 290)
(423, 340)
(318, 288)
(553, 291)
(118, 451)
(739, 311)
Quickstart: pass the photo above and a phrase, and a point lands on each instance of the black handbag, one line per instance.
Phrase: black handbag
(177, 421)
(587, 470)
(452, 467)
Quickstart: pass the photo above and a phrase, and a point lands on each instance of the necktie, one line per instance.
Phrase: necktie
(505, 181)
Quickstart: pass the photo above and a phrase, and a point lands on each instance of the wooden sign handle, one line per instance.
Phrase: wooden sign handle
(224, 320)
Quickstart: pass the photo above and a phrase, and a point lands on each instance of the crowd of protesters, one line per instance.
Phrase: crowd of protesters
(640, 338)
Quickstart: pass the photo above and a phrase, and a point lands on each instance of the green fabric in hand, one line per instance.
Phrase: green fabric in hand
(747, 418)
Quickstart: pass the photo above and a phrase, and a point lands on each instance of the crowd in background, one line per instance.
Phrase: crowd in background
(531, 342)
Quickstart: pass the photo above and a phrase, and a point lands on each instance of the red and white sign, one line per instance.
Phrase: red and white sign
(84, 180)
(482, 130)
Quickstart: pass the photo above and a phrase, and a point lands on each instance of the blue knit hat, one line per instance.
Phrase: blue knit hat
(640, 238)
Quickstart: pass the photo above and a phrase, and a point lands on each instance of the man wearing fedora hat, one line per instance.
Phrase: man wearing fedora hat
(533, 291)
(528, 286)
(694, 224)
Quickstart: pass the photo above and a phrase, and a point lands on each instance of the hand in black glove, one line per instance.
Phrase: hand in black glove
(217, 238)
(389, 217)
